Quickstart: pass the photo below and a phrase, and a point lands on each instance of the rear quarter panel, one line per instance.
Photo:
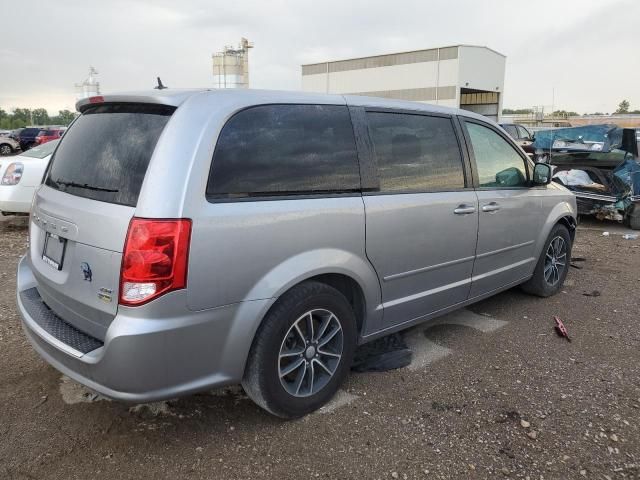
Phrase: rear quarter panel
(258, 250)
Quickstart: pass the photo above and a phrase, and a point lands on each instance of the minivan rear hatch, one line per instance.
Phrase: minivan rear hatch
(81, 214)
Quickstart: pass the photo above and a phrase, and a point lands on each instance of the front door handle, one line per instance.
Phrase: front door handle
(491, 207)
(464, 210)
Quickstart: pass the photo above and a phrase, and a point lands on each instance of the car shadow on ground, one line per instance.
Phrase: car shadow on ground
(229, 407)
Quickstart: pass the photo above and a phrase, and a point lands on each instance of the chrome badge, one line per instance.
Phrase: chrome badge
(104, 294)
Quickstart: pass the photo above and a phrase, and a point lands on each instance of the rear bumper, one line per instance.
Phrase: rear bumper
(149, 353)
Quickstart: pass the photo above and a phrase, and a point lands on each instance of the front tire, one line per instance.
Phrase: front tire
(302, 351)
(553, 264)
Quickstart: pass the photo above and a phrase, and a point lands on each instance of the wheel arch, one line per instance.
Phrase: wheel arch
(352, 291)
(562, 213)
(348, 273)
(571, 223)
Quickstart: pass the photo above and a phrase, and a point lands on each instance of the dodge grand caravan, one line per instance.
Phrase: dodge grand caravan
(184, 240)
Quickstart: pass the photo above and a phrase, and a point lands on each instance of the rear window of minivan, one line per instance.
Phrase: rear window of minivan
(105, 154)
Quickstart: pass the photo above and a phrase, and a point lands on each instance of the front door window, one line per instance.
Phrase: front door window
(499, 164)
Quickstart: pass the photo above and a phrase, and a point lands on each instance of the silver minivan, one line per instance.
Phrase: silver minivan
(185, 240)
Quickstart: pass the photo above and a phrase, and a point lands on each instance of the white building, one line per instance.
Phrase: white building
(464, 76)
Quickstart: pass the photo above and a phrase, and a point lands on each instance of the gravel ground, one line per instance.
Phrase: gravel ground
(515, 402)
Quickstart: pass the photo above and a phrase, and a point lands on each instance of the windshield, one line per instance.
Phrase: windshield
(104, 155)
(41, 151)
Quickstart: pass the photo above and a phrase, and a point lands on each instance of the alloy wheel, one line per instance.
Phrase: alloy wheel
(310, 353)
(555, 260)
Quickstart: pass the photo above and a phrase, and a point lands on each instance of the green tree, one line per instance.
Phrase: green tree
(5, 120)
(564, 113)
(22, 115)
(623, 107)
(39, 116)
(64, 117)
(18, 123)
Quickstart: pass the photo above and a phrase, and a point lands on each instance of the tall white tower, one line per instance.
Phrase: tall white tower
(231, 66)
(90, 87)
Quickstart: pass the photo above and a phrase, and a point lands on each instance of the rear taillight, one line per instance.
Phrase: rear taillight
(155, 258)
(13, 174)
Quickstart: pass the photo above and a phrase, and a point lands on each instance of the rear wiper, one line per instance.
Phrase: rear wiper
(85, 186)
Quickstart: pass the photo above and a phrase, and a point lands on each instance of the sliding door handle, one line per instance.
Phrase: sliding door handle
(491, 207)
(464, 210)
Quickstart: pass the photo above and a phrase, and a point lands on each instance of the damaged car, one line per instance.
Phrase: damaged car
(599, 164)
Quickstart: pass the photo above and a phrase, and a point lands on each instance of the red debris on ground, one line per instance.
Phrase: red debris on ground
(561, 330)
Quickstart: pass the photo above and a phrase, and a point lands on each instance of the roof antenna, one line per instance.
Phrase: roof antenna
(160, 86)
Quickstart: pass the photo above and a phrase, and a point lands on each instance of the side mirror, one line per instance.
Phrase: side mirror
(542, 174)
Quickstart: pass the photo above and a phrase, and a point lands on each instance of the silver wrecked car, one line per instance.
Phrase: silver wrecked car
(184, 240)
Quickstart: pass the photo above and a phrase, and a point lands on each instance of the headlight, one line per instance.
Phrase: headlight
(13, 174)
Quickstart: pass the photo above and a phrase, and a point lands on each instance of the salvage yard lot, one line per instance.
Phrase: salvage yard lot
(504, 397)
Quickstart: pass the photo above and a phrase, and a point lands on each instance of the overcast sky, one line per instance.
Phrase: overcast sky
(588, 51)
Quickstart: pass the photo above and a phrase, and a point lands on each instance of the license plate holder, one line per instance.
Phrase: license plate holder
(53, 252)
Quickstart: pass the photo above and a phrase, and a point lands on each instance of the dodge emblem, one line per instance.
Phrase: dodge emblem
(86, 271)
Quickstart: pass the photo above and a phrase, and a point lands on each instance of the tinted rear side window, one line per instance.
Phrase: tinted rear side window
(284, 150)
(416, 153)
(105, 154)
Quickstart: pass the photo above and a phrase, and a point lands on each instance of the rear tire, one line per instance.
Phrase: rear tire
(288, 377)
(553, 264)
(5, 149)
